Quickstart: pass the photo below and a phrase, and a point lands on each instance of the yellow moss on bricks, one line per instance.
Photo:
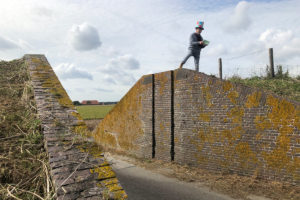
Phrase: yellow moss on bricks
(103, 172)
(253, 100)
(50, 82)
(283, 117)
(207, 95)
(233, 95)
(77, 115)
(45, 72)
(122, 127)
(205, 116)
(233, 149)
(236, 114)
(245, 154)
(227, 86)
(262, 123)
(163, 79)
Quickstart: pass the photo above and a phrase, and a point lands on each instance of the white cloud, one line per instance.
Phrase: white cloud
(125, 62)
(84, 37)
(6, 44)
(69, 71)
(240, 19)
(286, 45)
(117, 70)
(276, 36)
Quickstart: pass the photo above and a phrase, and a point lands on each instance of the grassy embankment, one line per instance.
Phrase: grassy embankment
(24, 170)
(282, 84)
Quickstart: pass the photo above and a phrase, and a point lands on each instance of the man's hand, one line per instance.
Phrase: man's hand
(201, 42)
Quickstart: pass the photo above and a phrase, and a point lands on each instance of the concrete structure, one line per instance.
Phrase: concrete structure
(195, 119)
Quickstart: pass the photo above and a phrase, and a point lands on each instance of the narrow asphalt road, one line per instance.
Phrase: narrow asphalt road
(142, 184)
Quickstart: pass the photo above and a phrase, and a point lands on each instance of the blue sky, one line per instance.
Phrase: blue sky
(99, 49)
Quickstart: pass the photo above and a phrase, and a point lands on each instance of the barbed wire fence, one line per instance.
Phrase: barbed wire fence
(259, 69)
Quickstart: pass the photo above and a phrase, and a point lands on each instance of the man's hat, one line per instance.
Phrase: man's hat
(200, 25)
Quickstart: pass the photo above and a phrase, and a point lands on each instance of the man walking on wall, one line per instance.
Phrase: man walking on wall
(196, 44)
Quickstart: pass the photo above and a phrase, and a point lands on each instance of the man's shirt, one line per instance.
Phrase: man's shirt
(195, 38)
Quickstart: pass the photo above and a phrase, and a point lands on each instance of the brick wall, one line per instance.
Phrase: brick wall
(78, 168)
(163, 115)
(128, 126)
(234, 128)
(205, 122)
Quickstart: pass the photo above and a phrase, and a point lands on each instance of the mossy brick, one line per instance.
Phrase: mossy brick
(71, 157)
(219, 125)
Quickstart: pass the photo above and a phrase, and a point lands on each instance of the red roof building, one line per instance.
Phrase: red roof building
(90, 102)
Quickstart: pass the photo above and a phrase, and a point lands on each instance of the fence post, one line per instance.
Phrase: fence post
(271, 62)
(220, 68)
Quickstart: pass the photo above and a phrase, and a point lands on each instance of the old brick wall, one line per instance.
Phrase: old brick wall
(78, 168)
(234, 128)
(202, 121)
(163, 115)
(128, 126)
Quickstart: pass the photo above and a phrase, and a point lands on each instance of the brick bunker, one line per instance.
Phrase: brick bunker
(195, 119)
(78, 168)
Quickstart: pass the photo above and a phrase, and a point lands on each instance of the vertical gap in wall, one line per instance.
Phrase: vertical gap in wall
(172, 117)
(153, 116)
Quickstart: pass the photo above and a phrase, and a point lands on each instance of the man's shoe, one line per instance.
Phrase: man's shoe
(180, 66)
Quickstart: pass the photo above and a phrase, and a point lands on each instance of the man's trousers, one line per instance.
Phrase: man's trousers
(196, 55)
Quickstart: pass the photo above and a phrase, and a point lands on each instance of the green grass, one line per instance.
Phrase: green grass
(287, 86)
(94, 111)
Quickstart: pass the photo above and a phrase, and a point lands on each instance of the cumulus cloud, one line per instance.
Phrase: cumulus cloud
(276, 36)
(286, 45)
(240, 19)
(84, 37)
(6, 44)
(117, 70)
(69, 71)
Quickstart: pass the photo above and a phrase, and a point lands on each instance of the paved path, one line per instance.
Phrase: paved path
(142, 184)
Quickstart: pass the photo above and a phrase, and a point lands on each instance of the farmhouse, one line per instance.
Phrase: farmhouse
(90, 102)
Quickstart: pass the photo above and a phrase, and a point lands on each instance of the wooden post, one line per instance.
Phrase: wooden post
(271, 62)
(220, 68)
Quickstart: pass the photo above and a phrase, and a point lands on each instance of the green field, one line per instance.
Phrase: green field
(94, 111)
